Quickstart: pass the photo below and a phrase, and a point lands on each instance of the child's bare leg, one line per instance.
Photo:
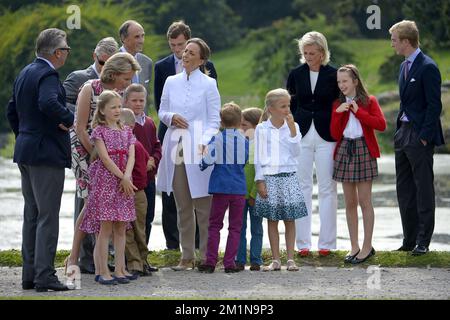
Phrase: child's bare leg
(102, 249)
(290, 238)
(119, 238)
(365, 201)
(351, 211)
(274, 239)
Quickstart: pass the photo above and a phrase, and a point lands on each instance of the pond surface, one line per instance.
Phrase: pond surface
(387, 233)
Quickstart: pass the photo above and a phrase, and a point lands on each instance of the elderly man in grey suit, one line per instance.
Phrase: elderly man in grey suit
(105, 48)
(132, 35)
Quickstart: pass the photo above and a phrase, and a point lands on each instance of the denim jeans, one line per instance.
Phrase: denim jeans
(256, 230)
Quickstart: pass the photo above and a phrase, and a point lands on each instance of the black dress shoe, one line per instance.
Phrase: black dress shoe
(55, 286)
(28, 285)
(358, 261)
(150, 268)
(349, 258)
(419, 250)
(405, 248)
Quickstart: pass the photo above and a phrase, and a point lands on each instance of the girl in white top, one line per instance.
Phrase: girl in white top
(277, 146)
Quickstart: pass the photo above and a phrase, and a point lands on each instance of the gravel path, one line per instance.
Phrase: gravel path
(308, 283)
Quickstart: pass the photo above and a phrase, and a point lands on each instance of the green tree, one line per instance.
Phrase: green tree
(256, 13)
(20, 29)
(433, 20)
(211, 20)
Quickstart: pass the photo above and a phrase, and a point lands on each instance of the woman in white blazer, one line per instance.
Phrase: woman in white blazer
(190, 107)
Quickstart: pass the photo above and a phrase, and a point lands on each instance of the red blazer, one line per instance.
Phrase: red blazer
(370, 116)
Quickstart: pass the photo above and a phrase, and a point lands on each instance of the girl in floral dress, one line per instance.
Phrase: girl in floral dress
(110, 202)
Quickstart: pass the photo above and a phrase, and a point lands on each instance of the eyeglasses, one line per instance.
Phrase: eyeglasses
(100, 62)
(65, 49)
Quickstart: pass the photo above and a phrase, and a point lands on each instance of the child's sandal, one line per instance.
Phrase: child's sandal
(275, 265)
(291, 266)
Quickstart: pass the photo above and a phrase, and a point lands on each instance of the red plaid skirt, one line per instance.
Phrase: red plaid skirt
(353, 162)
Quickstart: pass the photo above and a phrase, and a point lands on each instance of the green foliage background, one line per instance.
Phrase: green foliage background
(253, 42)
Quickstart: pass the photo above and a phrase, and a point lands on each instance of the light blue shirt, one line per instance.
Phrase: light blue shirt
(411, 58)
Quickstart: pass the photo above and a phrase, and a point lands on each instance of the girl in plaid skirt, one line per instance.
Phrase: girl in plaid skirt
(354, 118)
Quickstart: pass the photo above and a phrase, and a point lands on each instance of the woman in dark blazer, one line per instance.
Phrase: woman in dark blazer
(313, 88)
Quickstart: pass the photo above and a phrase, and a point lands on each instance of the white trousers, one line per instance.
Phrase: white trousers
(320, 152)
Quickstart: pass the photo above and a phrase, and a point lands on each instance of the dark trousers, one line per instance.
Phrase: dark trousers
(150, 193)
(42, 188)
(88, 243)
(415, 186)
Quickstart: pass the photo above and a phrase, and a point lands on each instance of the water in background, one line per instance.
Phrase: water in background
(387, 233)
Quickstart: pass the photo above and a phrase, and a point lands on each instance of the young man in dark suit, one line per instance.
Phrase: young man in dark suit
(105, 48)
(177, 35)
(40, 120)
(418, 132)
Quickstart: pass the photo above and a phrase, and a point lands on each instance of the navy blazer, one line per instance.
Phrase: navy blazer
(307, 106)
(420, 98)
(36, 108)
(165, 68)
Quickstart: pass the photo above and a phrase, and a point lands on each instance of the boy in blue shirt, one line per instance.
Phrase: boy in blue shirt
(228, 152)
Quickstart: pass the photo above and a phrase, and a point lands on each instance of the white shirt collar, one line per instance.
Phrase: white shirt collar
(122, 49)
(95, 69)
(140, 118)
(49, 63)
(270, 124)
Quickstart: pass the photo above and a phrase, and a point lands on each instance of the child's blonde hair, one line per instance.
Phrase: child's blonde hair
(252, 115)
(271, 97)
(231, 115)
(127, 117)
(105, 97)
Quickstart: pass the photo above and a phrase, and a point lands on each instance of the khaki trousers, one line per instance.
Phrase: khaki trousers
(186, 215)
(136, 246)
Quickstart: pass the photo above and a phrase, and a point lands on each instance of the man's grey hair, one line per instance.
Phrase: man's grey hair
(107, 46)
(49, 40)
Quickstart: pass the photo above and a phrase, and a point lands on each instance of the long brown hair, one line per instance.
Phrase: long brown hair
(361, 91)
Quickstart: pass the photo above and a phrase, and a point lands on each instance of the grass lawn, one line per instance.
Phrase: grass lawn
(165, 258)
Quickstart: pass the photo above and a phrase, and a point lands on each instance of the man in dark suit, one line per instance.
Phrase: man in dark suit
(105, 48)
(418, 132)
(177, 35)
(40, 120)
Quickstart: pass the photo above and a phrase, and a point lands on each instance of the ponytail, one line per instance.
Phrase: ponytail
(271, 97)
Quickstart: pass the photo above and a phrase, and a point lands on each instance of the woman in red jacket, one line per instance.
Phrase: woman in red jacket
(355, 116)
